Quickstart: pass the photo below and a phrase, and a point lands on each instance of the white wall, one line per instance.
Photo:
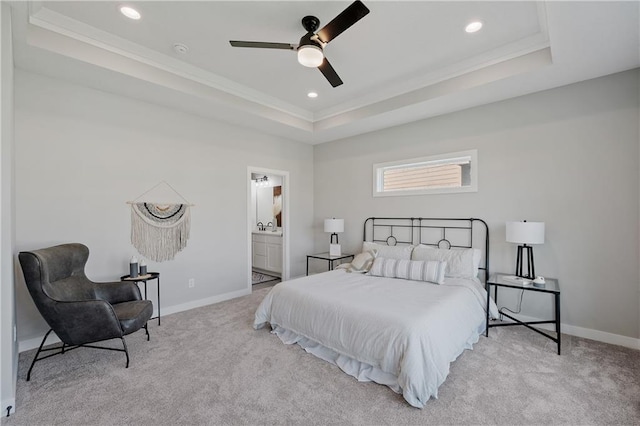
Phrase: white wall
(81, 154)
(567, 156)
(8, 346)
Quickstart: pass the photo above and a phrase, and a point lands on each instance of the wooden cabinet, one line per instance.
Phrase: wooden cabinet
(267, 252)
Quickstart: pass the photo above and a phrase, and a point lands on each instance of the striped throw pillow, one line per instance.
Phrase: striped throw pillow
(416, 270)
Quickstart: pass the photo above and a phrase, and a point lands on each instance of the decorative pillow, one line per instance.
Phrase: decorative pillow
(389, 252)
(460, 262)
(360, 264)
(416, 270)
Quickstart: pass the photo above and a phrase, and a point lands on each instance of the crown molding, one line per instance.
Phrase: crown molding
(47, 19)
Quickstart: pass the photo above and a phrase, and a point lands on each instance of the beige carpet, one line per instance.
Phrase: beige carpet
(208, 366)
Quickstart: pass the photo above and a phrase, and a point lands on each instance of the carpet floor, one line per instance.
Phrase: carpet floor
(209, 366)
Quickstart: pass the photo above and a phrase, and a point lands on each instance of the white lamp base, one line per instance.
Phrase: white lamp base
(335, 250)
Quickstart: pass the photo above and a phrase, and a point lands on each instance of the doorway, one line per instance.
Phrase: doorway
(268, 221)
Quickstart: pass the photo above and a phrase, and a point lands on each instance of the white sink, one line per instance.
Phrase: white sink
(268, 232)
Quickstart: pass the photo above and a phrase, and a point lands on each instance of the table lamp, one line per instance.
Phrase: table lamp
(525, 233)
(334, 226)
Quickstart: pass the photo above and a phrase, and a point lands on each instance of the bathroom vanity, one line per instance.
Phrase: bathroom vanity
(267, 250)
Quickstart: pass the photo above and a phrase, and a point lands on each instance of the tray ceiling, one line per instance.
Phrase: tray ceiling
(404, 61)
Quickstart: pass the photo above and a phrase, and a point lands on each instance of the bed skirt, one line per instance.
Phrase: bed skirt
(360, 370)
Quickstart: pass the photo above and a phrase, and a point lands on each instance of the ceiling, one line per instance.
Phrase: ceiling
(404, 61)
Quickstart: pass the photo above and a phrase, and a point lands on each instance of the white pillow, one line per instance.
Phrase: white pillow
(389, 252)
(416, 270)
(460, 262)
(477, 257)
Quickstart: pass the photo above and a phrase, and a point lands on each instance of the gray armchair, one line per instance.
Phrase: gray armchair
(79, 310)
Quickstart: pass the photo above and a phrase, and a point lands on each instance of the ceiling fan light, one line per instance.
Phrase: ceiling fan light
(310, 56)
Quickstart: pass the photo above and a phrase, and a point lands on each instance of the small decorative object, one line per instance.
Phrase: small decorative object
(525, 233)
(143, 267)
(133, 267)
(334, 226)
(539, 282)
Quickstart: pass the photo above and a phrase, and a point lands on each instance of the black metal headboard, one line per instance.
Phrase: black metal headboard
(436, 232)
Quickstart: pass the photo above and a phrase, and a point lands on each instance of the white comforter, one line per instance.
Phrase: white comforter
(407, 330)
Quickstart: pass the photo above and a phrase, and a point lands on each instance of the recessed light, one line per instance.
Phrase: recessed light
(473, 27)
(130, 12)
(312, 94)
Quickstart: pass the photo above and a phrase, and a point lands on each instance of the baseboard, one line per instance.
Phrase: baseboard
(33, 343)
(587, 333)
(6, 403)
(204, 302)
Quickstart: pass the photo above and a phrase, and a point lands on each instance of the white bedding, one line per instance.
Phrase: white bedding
(401, 331)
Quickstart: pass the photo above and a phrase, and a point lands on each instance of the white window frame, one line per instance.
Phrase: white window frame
(379, 168)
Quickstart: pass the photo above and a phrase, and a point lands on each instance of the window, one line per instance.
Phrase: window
(438, 174)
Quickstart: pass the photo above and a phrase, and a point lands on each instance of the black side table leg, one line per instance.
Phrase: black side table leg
(558, 320)
(488, 304)
(158, 299)
(307, 265)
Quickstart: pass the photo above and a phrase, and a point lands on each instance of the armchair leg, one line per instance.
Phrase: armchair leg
(61, 350)
(146, 330)
(126, 351)
(35, 358)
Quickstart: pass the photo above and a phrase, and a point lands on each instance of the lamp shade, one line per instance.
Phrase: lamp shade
(334, 225)
(525, 232)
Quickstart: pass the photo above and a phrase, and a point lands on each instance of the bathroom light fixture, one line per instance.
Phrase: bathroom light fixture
(473, 27)
(310, 56)
(312, 95)
(262, 182)
(130, 12)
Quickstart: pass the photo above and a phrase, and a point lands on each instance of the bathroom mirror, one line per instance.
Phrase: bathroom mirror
(268, 202)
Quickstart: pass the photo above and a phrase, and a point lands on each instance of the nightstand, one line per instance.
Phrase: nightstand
(551, 287)
(329, 258)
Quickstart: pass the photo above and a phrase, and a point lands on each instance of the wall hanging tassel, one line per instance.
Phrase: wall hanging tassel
(159, 231)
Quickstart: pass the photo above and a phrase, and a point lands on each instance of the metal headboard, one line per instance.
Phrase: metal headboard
(436, 232)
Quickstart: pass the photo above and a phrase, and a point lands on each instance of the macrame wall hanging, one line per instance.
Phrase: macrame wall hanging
(159, 230)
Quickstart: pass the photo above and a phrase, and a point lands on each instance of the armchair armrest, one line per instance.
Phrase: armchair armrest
(87, 321)
(117, 292)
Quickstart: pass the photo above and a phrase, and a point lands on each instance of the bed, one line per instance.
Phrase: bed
(390, 324)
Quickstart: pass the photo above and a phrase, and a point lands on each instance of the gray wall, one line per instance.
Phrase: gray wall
(81, 154)
(567, 156)
(8, 346)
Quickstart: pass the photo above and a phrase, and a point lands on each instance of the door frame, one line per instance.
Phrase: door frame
(286, 220)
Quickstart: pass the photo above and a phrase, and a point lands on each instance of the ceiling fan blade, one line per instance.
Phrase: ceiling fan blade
(263, 45)
(330, 74)
(352, 14)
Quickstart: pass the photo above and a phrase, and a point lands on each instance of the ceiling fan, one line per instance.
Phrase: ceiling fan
(310, 48)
